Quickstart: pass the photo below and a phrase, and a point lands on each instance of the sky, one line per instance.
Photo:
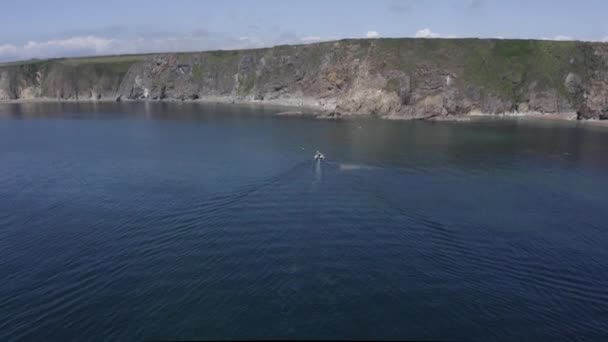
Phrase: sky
(63, 28)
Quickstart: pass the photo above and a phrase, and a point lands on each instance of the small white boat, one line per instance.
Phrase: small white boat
(319, 156)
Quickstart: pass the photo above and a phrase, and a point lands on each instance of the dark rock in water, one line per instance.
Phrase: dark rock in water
(586, 113)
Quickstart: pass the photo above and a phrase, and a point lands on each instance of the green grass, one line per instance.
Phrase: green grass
(315, 55)
(508, 67)
(245, 85)
(505, 68)
(511, 49)
(392, 85)
(222, 57)
(103, 59)
(198, 71)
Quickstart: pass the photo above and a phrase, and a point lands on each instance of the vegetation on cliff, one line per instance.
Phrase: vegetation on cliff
(401, 77)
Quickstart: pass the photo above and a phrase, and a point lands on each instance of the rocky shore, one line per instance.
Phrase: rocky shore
(400, 78)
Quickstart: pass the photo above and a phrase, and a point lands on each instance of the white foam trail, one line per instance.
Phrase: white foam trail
(318, 171)
(352, 167)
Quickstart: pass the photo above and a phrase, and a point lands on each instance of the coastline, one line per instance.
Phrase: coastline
(290, 106)
(312, 108)
(341, 79)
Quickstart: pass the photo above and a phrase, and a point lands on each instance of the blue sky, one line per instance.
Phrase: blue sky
(39, 29)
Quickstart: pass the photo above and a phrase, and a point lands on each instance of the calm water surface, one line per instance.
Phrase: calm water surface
(186, 221)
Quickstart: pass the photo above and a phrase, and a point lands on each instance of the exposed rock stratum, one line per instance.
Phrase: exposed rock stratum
(393, 78)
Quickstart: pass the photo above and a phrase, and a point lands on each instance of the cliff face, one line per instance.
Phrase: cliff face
(395, 78)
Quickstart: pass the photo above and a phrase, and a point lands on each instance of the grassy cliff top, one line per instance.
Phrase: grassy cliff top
(81, 60)
(509, 48)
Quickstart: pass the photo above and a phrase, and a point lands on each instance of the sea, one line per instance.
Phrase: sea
(191, 221)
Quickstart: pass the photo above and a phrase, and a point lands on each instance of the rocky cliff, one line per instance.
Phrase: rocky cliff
(393, 78)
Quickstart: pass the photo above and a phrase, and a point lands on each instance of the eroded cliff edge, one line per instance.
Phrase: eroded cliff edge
(393, 78)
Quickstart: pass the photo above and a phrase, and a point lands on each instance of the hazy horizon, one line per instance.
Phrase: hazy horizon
(68, 28)
(271, 46)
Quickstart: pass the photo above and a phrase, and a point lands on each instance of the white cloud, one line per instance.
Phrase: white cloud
(310, 39)
(559, 37)
(95, 45)
(85, 44)
(426, 33)
(8, 49)
(74, 46)
(90, 45)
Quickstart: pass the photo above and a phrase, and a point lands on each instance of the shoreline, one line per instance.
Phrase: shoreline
(312, 108)
(289, 105)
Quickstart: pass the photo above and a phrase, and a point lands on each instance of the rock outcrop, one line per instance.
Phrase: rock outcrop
(394, 78)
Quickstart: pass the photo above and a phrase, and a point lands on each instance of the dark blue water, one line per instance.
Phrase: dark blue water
(183, 221)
